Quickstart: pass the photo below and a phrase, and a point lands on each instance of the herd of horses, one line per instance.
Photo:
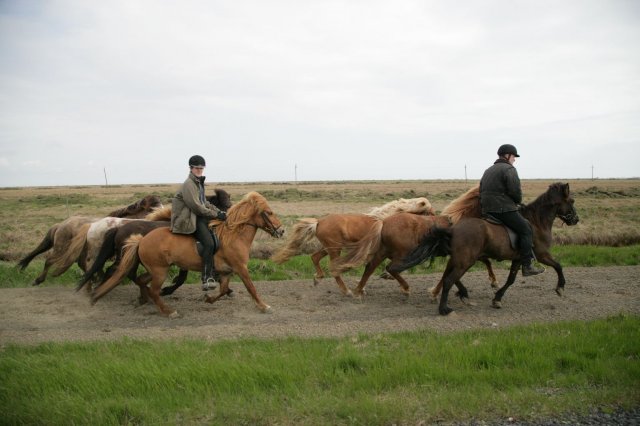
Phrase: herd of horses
(405, 231)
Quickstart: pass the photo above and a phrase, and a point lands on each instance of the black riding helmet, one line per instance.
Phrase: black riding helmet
(196, 161)
(507, 149)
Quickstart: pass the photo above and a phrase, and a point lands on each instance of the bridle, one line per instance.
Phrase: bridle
(269, 226)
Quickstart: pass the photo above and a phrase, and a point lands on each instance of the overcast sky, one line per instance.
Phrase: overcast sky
(316, 90)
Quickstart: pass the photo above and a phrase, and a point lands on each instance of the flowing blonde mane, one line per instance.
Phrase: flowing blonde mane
(412, 205)
(239, 214)
(160, 213)
(466, 205)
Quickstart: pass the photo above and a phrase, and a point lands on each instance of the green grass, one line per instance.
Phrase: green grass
(524, 372)
(300, 267)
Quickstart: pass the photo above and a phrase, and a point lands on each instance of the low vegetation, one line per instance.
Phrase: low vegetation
(524, 373)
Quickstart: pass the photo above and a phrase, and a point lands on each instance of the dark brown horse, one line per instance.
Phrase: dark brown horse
(160, 249)
(114, 240)
(471, 239)
(60, 235)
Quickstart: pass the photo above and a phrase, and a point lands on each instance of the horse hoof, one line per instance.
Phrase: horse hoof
(446, 310)
(494, 285)
(466, 301)
(174, 314)
(266, 309)
(497, 304)
(231, 294)
(560, 291)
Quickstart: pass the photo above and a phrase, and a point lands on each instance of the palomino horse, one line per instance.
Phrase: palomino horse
(160, 249)
(471, 239)
(337, 232)
(114, 239)
(60, 235)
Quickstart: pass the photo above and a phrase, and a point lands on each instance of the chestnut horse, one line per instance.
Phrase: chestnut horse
(160, 249)
(114, 239)
(472, 238)
(60, 235)
(401, 233)
(359, 234)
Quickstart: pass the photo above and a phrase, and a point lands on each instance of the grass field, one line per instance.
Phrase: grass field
(528, 372)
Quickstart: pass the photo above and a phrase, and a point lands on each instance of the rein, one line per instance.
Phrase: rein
(269, 227)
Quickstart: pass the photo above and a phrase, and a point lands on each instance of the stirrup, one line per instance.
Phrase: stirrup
(209, 284)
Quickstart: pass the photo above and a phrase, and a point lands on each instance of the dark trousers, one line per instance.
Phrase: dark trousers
(203, 235)
(522, 227)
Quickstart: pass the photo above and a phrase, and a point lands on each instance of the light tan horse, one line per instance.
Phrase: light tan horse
(60, 236)
(358, 234)
(159, 249)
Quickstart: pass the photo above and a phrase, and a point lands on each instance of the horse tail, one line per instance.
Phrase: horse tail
(45, 244)
(466, 205)
(107, 251)
(129, 261)
(435, 243)
(72, 253)
(360, 252)
(302, 232)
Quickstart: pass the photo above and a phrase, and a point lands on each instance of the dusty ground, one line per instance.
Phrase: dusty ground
(40, 314)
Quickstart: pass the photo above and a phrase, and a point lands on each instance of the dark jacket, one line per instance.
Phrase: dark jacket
(189, 203)
(500, 189)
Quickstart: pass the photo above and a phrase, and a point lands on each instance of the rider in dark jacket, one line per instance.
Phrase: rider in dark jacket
(500, 196)
(191, 213)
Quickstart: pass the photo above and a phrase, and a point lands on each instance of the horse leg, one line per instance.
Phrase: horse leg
(451, 277)
(315, 258)
(224, 290)
(243, 273)
(142, 282)
(43, 275)
(492, 276)
(334, 254)
(177, 282)
(368, 271)
(497, 299)
(546, 259)
(159, 274)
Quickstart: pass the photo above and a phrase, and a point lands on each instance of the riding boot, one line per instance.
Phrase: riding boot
(208, 280)
(529, 269)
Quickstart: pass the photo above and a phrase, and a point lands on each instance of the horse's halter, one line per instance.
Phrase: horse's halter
(570, 218)
(269, 226)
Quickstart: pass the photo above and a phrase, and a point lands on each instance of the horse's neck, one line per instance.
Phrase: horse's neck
(245, 232)
(539, 215)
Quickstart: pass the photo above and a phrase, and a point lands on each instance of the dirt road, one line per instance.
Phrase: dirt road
(41, 314)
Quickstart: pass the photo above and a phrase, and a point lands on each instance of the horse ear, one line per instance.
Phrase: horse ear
(567, 192)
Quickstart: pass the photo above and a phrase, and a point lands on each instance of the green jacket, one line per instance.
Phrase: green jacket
(189, 203)
(500, 189)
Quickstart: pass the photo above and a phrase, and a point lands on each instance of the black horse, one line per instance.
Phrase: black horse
(115, 238)
(471, 239)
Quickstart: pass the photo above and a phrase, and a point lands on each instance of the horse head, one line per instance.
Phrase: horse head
(254, 210)
(561, 196)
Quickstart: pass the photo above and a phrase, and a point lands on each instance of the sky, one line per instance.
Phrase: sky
(124, 92)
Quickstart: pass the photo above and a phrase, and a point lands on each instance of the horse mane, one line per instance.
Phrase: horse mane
(550, 197)
(419, 205)
(466, 205)
(160, 213)
(145, 204)
(239, 214)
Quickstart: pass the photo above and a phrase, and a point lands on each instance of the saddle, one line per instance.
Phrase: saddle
(216, 243)
(513, 237)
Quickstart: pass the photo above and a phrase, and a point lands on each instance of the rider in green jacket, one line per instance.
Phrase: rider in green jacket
(500, 196)
(191, 213)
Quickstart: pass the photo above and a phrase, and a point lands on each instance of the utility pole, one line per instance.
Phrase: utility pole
(465, 173)
(592, 172)
(106, 183)
(295, 174)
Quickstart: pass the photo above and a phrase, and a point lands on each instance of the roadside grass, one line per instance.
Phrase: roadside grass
(524, 372)
(301, 267)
